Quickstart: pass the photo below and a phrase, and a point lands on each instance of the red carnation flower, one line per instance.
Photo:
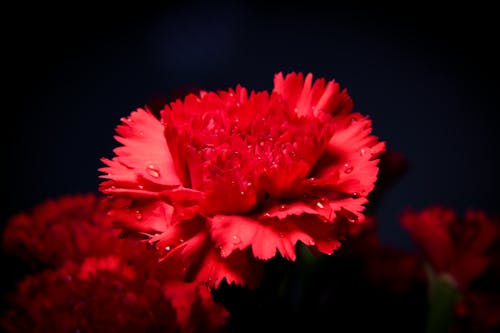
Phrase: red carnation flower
(100, 295)
(231, 176)
(98, 281)
(453, 245)
(108, 295)
(71, 227)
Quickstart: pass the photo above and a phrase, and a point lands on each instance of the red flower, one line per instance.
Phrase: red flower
(108, 295)
(100, 295)
(451, 244)
(71, 227)
(229, 176)
(98, 282)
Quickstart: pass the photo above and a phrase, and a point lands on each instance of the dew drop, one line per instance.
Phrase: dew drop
(355, 195)
(153, 171)
(236, 240)
(167, 248)
(138, 215)
(141, 187)
(365, 151)
(320, 205)
(282, 207)
(181, 240)
(267, 215)
(348, 168)
(312, 243)
(242, 193)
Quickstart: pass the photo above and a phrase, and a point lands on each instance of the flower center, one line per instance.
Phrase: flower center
(240, 150)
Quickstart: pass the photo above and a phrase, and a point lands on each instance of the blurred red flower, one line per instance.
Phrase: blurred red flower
(95, 281)
(228, 177)
(456, 246)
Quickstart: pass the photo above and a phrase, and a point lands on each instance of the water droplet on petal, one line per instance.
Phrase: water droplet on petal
(354, 195)
(141, 187)
(282, 207)
(181, 240)
(267, 215)
(365, 151)
(312, 243)
(167, 248)
(348, 168)
(153, 171)
(138, 215)
(320, 205)
(236, 240)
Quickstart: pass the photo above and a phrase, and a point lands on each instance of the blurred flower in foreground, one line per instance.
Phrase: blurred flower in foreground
(463, 256)
(94, 281)
(452, 245)
(230, 177)
(71, 227)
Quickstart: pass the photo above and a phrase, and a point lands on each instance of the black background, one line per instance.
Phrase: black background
(425, 72)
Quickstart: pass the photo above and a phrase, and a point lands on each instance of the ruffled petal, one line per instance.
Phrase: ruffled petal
(267, 236)
(144, 154)
(187, 243)
(192, 300)
(149, 217)
(347, 171)
(309, 99)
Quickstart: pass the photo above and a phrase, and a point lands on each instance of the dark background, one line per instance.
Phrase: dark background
(426, 73)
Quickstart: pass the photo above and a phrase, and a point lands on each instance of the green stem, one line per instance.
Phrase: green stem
(443, 296)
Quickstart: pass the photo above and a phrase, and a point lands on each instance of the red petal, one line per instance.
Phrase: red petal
(429, 230)
(195, 306)
(144, 152)
(268, 235)
(349, 166)
(144, 217)
(312, 101)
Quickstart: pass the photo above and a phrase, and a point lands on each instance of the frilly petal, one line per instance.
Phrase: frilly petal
(143, 156)
(268, 236)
